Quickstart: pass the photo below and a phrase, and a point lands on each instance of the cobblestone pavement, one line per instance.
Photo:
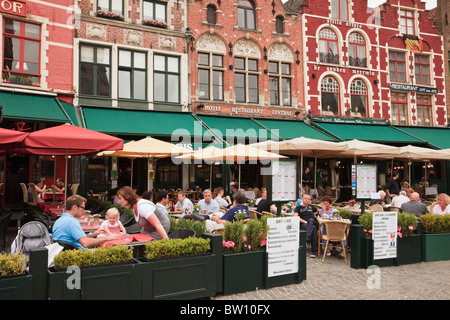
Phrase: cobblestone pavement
(334, 280)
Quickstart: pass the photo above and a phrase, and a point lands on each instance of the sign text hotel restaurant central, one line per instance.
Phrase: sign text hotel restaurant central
(15, 7)
(250, 111)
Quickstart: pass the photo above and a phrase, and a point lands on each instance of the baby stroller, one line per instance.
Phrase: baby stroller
(31, 235)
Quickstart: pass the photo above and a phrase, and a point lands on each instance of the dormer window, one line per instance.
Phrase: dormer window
(246, 14)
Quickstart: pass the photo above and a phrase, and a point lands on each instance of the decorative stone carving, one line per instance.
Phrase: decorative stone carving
(133, 37)
(167, 42)
(280, 52)
(96, 31)
(247, 48)
(211, 43)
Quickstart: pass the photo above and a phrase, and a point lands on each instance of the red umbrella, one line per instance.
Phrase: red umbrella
(68, 140)
(10, 139)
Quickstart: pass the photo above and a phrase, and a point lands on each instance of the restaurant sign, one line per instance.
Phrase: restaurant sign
(349, 120)
(408, 87)
(16, 7)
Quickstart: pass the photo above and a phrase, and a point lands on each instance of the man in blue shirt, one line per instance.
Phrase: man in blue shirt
(208, 203)
(68, 229)
(240, 205)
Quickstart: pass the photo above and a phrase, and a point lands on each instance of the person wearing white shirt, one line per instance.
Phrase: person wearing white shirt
(219, 198)
(399, 200)
(208, 203)
(441, 205)
(184, 204)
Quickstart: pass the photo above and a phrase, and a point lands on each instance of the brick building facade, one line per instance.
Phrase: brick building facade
(443, 26)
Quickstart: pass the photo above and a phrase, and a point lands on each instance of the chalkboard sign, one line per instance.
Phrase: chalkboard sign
(47, 168)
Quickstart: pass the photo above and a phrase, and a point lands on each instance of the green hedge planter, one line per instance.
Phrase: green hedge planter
(435, 247)
(189, 277)
(17, 287)
(409, 250)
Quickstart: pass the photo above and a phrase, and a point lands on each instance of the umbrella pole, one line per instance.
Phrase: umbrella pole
(315, 172)
(239, 176)
(65, 178)
(210, 176)
(131, 182)
(301, 175)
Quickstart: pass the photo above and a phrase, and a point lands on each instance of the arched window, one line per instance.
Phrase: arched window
(358, 92)
(246, 14)
(330, 96)
(357, 50)
(211, 14)
(328, 46)
(279, 25)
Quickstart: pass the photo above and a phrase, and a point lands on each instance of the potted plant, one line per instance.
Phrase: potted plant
(289, 206)
(15, 282)
(189, 268)
(196, 209)
(102, 273)
(155, 23)
(109, 15)
(435, 237)
(408, 242)
(96, 219)
(251, 202)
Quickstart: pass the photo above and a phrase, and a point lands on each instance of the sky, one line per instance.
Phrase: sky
(430, 4)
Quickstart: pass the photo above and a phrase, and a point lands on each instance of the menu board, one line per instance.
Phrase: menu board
(364, 180)
(284, 181)
(384, 235)
(282, 245)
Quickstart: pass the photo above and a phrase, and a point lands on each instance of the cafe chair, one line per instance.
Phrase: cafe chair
(74, 188)
(66, 245)
(270, 214)
(253, 214)
(337, 231)
(182, 233)
(376, 208)
(25, 194)
(392, 208)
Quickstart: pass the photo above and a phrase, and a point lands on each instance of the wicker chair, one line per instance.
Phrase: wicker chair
(376, 208)
(337, 231)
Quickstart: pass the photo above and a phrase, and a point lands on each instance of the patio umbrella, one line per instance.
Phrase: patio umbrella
(147, 148)
(68, 140)
(361, 148)
(10, 139)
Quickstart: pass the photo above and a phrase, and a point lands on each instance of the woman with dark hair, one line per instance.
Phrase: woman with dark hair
(153, 222)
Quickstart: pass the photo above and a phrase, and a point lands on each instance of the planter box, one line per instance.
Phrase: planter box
(408, 250)
(191, 277)
(16, 287)
(435, 246)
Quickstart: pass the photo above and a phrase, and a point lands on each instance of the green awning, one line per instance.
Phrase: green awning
(28, 107)
(436, 137)
(145, 123)
(288, 129)
(70, 111)
(368, 132)
(235, 128)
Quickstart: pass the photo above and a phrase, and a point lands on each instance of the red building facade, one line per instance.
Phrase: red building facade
(246, 59)
(382, 63)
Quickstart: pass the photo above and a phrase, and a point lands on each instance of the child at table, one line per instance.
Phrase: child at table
(112, 224)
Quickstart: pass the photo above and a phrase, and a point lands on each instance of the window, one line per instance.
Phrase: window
(246, 14)
(422, 69)
(132, 75)
(407, 22)
(211, 14)
(399, 108)
(246, 80)
(280, 83)
(115, 6)
(358, 92)
(397, 70)
(339, 9)
(167, 171)
(424, 108)
(210, 76)
(330, 96)
(279, 24)
(154, 10)
(166, 79)
(328, 46)
(357, 50)
(21, 52)
(95, 70)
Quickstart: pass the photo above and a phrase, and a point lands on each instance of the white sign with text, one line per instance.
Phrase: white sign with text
(384, 235)
(282, 245)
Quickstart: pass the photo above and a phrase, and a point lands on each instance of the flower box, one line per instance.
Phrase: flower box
(16, 287)
(435, 246)
(109, 15)
(185, 277)
(154, 23)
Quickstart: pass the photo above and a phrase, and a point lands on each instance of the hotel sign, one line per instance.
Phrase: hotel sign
(408, 87)
(250, 111)
(16, 7)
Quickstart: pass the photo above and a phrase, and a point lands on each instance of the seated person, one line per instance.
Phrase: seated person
(414, 206)
(208, 204)
(61, 187)
(68, 229)
(265, 205)
(308, 222)
(220, 200)
(147, 195)
(39, 190)
(112, 224)
(378, 201)
(441, 205)
(183, 205)
(399, 200)
(162, 198)
(240, 205)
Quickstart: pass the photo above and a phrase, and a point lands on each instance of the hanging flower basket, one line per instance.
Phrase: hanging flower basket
(109, 15)
(154, 23)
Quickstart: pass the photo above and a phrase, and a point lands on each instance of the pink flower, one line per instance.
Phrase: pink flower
(400, 235)
(399, 228)
(411, 228)
(245, 239)
(370, 231)
(263, 243)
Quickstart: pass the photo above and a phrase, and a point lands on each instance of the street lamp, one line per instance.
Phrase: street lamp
(189, 38)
